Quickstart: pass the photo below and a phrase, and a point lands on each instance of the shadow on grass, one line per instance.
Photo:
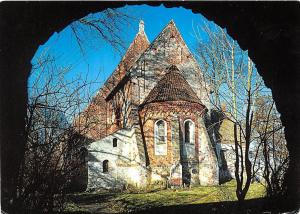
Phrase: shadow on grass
(260, 205)
(252, 206)
(91, 198)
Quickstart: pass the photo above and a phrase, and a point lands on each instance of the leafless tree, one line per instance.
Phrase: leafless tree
(54, 152)
(271, 144)
(234, 88)
(53, 144)
(108, 26)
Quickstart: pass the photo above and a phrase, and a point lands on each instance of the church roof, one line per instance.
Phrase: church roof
(172, 87)
(138, 46)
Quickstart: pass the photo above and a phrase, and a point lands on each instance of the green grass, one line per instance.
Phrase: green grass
(72, 207)
(197, 195)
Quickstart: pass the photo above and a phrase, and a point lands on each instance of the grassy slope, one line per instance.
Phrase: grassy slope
(140, 201)
(196, 195)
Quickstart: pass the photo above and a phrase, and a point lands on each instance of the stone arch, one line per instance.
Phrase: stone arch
(271, 40)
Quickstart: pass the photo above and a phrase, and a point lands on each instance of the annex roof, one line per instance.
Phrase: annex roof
(172, 87)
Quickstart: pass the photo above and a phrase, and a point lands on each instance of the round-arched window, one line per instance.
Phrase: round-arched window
(189, 132)
(115, 142)
(160, 137)
(105, 166)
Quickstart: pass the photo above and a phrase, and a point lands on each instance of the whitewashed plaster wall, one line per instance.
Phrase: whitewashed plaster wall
(229, 154)
(208, 163)
(124, 166)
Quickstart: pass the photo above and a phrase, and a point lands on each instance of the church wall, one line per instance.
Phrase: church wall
(176, 161)
(99, 110)
(92, 122)
(167, 49)
(124, 102)
(208, 163)
(157, 160)
(124, 165)
(229, 155)
(198, 159)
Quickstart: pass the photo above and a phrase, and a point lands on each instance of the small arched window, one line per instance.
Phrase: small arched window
(189, 132)
(115, 142)
(160, 137)
(105, 166)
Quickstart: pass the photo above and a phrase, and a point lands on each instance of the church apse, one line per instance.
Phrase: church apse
(155, 109)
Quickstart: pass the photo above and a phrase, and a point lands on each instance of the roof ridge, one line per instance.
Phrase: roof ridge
(173, 68)
(143, 53)
(171, 22)
(139, 33)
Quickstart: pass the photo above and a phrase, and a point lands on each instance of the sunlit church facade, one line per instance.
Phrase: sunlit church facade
(148, 122)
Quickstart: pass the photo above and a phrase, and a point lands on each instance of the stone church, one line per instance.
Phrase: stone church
(147, 122)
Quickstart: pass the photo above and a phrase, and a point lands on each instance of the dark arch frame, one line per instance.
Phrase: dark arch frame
(269, 30)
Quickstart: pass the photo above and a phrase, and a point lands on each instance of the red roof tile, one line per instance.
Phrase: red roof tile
(172, 87)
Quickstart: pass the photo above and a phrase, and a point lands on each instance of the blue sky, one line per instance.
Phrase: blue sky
(99, 57)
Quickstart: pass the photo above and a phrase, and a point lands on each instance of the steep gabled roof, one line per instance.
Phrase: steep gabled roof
(171, 30)
(136, 48)
(172, 87)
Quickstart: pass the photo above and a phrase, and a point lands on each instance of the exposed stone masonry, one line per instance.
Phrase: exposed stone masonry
(154, 82)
